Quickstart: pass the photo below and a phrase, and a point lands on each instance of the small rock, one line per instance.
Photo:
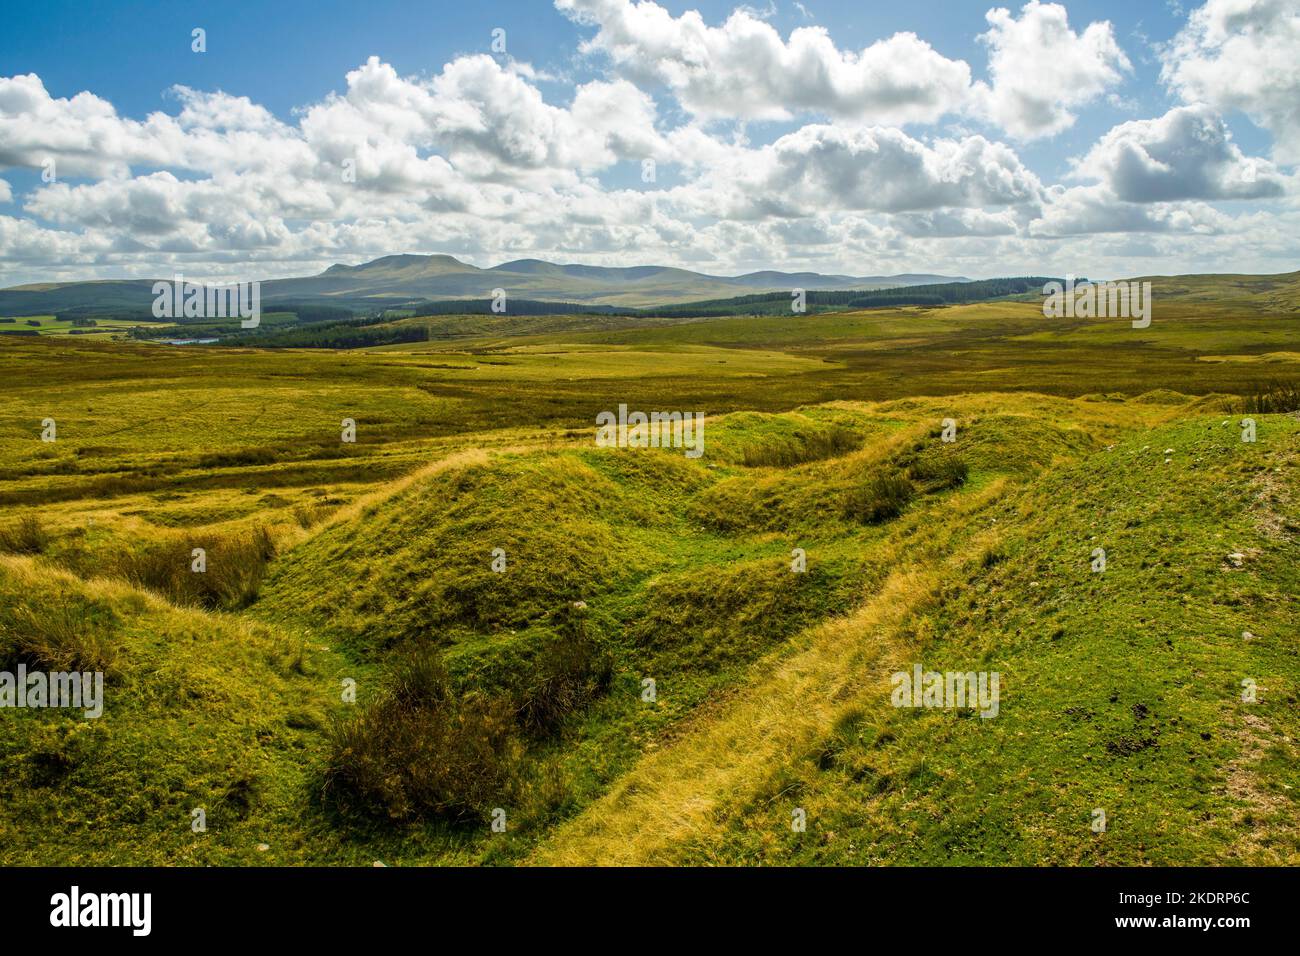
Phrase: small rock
(263, 847)
(1236, 558)
(380, 863)
(1169, 451)
(1247, 636)
(580, 605)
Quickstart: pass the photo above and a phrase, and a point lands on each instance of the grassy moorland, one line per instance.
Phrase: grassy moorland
(352, 680)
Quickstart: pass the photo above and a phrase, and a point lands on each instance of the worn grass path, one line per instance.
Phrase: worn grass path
(670, 797)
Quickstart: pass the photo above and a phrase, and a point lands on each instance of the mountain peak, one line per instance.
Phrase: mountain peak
(438, 263)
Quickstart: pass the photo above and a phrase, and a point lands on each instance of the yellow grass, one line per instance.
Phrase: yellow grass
(672, 794)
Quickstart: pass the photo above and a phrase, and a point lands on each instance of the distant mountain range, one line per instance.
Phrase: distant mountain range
(394, 279)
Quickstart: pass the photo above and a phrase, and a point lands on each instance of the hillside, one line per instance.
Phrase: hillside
(534, 448)
(768, 589)
(1120, 690)
(402, 278)
(769, 684)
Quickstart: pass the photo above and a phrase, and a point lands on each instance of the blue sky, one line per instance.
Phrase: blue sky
(300, 51)
(734, 189)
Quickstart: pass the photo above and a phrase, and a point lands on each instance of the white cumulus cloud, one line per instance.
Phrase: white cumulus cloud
(1186, 154)
(1243, 55)
(1042, 70)
(744, 68)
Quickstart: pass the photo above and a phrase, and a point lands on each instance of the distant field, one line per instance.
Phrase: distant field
(524, 689)
(531, 379)
(51, 325)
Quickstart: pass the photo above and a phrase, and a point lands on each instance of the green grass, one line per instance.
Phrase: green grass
(372, 562)
(1121, 690)
(52, 325)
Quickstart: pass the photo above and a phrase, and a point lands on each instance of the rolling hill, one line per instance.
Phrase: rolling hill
(334, 566)
(409, 277)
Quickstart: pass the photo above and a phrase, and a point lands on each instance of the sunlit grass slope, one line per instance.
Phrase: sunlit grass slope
(649, 564)
(1122, 691)
(649, 678)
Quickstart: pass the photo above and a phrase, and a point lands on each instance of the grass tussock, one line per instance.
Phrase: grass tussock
(570, 672)
(938, 472)
(804, 445)
(879, 499)
(25, 536)
(1271, 398)
(423, 749)
(233, 565)
(310, 514)
(433, 746)
(68, 633)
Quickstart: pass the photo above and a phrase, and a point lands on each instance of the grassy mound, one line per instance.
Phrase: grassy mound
(200, 712)
(717, 615)
(1160, 691)
(779, 574)
(483, 548)
(875, 484)
(754, 439)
